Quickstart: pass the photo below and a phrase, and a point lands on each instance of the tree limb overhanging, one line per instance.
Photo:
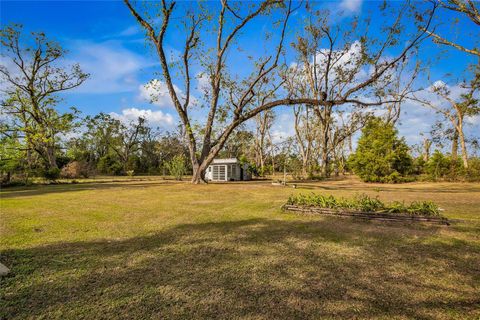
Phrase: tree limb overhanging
(469, 9)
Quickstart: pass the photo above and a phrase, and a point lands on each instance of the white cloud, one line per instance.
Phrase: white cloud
(156, 92)
(12, 68)
(203, 82)
(283, 127)
(344, 61)
(473, 120)
(112, 67)
(352, 6)
(157, 118)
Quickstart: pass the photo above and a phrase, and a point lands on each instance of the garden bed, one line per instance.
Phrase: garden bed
(367, 208)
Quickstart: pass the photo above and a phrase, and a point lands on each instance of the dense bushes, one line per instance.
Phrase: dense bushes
(441, 167)
(380, 155)
(364, 203)
(109, 164)
(51, 173)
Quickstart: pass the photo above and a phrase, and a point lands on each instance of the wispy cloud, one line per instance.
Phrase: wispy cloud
(130, 31)
(112, 67)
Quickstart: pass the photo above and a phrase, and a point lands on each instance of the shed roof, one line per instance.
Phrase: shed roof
(225, 161)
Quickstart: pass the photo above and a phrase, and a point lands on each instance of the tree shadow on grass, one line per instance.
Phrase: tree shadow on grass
(386, 188)
(61, 188)
(258, 268)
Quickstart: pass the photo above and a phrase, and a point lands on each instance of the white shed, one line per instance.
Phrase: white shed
(227, 170)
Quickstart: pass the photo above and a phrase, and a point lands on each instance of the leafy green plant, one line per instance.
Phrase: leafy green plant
(177, 166)
(364, 203)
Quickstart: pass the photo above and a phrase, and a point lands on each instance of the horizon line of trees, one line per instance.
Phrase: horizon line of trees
(334, 92)
(104, 145)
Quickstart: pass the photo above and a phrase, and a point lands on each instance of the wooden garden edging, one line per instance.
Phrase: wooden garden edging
(367, 215)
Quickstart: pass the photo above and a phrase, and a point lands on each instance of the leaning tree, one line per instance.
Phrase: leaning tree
(213, 33)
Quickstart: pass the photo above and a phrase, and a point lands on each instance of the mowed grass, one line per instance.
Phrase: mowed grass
(165, 250)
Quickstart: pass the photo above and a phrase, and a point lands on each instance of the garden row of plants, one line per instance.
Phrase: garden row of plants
(364, 203)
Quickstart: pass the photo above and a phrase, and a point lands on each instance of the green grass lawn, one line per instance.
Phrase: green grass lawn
(160, 249)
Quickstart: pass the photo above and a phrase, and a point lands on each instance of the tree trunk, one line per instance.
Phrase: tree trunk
(426, 149)
(325, 163)
(455, 145)
(52, 159)
(262, 163)
(454, 151)
(198, 176)
(464, 148)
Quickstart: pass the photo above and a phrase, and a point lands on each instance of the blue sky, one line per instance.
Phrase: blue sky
(105, 39)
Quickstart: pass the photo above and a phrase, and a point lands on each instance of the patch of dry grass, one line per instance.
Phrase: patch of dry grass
(158, 249)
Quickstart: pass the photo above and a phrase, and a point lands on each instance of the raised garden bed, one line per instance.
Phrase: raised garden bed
(375, 209)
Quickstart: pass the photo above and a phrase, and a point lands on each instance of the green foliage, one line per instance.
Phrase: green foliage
(438, 166)
(51, 173)
(364, 203)
(444, 167)
(31, 91)
(110, 164)
(473, 172)
(177, 166)
(381, 156)
(11, 158)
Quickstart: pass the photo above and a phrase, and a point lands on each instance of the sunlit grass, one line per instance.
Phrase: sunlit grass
(161, 249)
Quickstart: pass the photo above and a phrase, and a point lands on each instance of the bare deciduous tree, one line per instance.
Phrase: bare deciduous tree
(455, 110)
(353, 69)
(232, 99)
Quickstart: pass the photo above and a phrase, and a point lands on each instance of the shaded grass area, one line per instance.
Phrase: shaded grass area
(226, 251)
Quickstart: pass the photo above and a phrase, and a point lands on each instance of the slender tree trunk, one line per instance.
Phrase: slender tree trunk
(463, 146)
(325, 163)
(426, 149)
(325, 158)
(454, 152)
(455, 145)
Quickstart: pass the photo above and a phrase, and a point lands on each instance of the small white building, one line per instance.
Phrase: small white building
(227, 170)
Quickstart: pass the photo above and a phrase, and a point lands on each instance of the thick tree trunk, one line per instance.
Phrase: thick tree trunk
(304, 167)
(198, 176)
(51, 157)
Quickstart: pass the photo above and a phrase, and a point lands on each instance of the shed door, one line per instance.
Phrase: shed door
(218, 173)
